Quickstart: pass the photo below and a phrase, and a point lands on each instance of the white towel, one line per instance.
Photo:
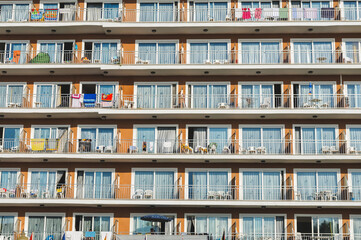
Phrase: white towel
(73, 235)
(108, 235)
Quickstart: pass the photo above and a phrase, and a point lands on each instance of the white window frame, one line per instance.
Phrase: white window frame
(342, 6)
(312, 41)
(240, 84)
(21, 127)
(7, 84)
(336, 126)
(157, 2)
(339, 216)
(156, 42)
(54, 87)
(30, 170)
(43, 214)
(349, 177)
(310, 1)
(208, 41)
(18, 173)
(207, 170)
(282, 126)
(352, 217)
(333, 83)
(348, 135)
(262, 170)
(48, 126)
(112, 170)
(156, 84)
(358, 40)
(79, 127)
(132, 215)
(209, 215)
(260, 215)
(204, 1)
(111, 215)
(11, 42)
(15, 3)
(190, 94)
(174, 170)
(240, 2)
(208, 126)
(277, 40)
(93, 41)
(39, 42)
(316, 170)
(103, 2)
(11, 214)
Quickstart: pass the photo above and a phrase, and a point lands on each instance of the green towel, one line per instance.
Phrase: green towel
(41, 58)
(284, 13)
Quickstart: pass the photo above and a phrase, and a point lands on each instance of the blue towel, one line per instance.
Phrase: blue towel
(89, 100)
(90, 234)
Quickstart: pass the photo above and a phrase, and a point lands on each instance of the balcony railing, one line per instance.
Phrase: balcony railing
(271, 146)
(174, 14)
(216, 57)
(181, 192)
(181, 101)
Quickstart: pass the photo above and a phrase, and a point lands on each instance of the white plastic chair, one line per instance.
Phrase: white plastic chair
(167, 147)
(148, 194)
(138, 194)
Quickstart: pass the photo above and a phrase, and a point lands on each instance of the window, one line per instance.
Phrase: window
(208, 95)
(10, 137)
(92, 93)
(60, 11)
(355, 184)
(355, 226)
(352, 10)
(321, 225)
(103, 11)
(158, 11)
(152, 139)
(209, 184)
(205, 11)
(50, 95)
(209, 52)
(354, 139)
(315, 140)
(162, 52)
(94, 184)
(45, 183)
(262, 139)
(138, 226)
(351, 50)
(312, 10)
(267, 226)
(353, 93)
(160, 95)
(98, 139)
(259, 4)
(313, 51)
(59, 52)
(214, 225)
(98, 223)
(216, 138)
(14, 12)
(14, 52)
(260, 52)
(262, 95)
(317, 185)
(7, 223)
(313, 95)
(154, 184)
(104, 52)
(262, 184)
(45, 225)
(50, 138)
(11, 95)
(9, 179)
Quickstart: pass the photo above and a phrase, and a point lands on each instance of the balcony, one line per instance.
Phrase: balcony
(116, 63)
(190, 106)
(217, 20)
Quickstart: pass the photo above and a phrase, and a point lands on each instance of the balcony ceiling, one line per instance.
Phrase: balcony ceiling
(32, 28)
(25, 113)
(181, 69)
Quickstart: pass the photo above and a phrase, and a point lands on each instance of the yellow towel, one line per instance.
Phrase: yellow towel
(38, 144)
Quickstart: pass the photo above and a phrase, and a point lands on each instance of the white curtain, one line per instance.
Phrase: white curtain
(306, 184)
(302, 52)
(198, 185)
(252, 188)
(271, 186)
(198, 53)
(251, 137)
(250, 52)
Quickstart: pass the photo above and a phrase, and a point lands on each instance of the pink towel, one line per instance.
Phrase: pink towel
(76, 100)
(258, 13)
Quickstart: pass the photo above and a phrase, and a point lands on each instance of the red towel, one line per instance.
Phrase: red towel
(246, 13)
(107, 97)
(258, 13)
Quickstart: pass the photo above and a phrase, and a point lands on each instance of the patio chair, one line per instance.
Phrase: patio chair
(138, 194)
(3, 193)
(333, 149)
(133, 149)
(351, 150)
(100, 149)
(148, 194)
(167, 147)
(325, 149)
(266, 103)
(211, 195)
(109, 149)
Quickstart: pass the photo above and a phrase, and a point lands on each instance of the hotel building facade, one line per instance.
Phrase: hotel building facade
(236, 119)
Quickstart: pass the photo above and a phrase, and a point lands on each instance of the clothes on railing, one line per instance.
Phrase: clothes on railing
(89, 100)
